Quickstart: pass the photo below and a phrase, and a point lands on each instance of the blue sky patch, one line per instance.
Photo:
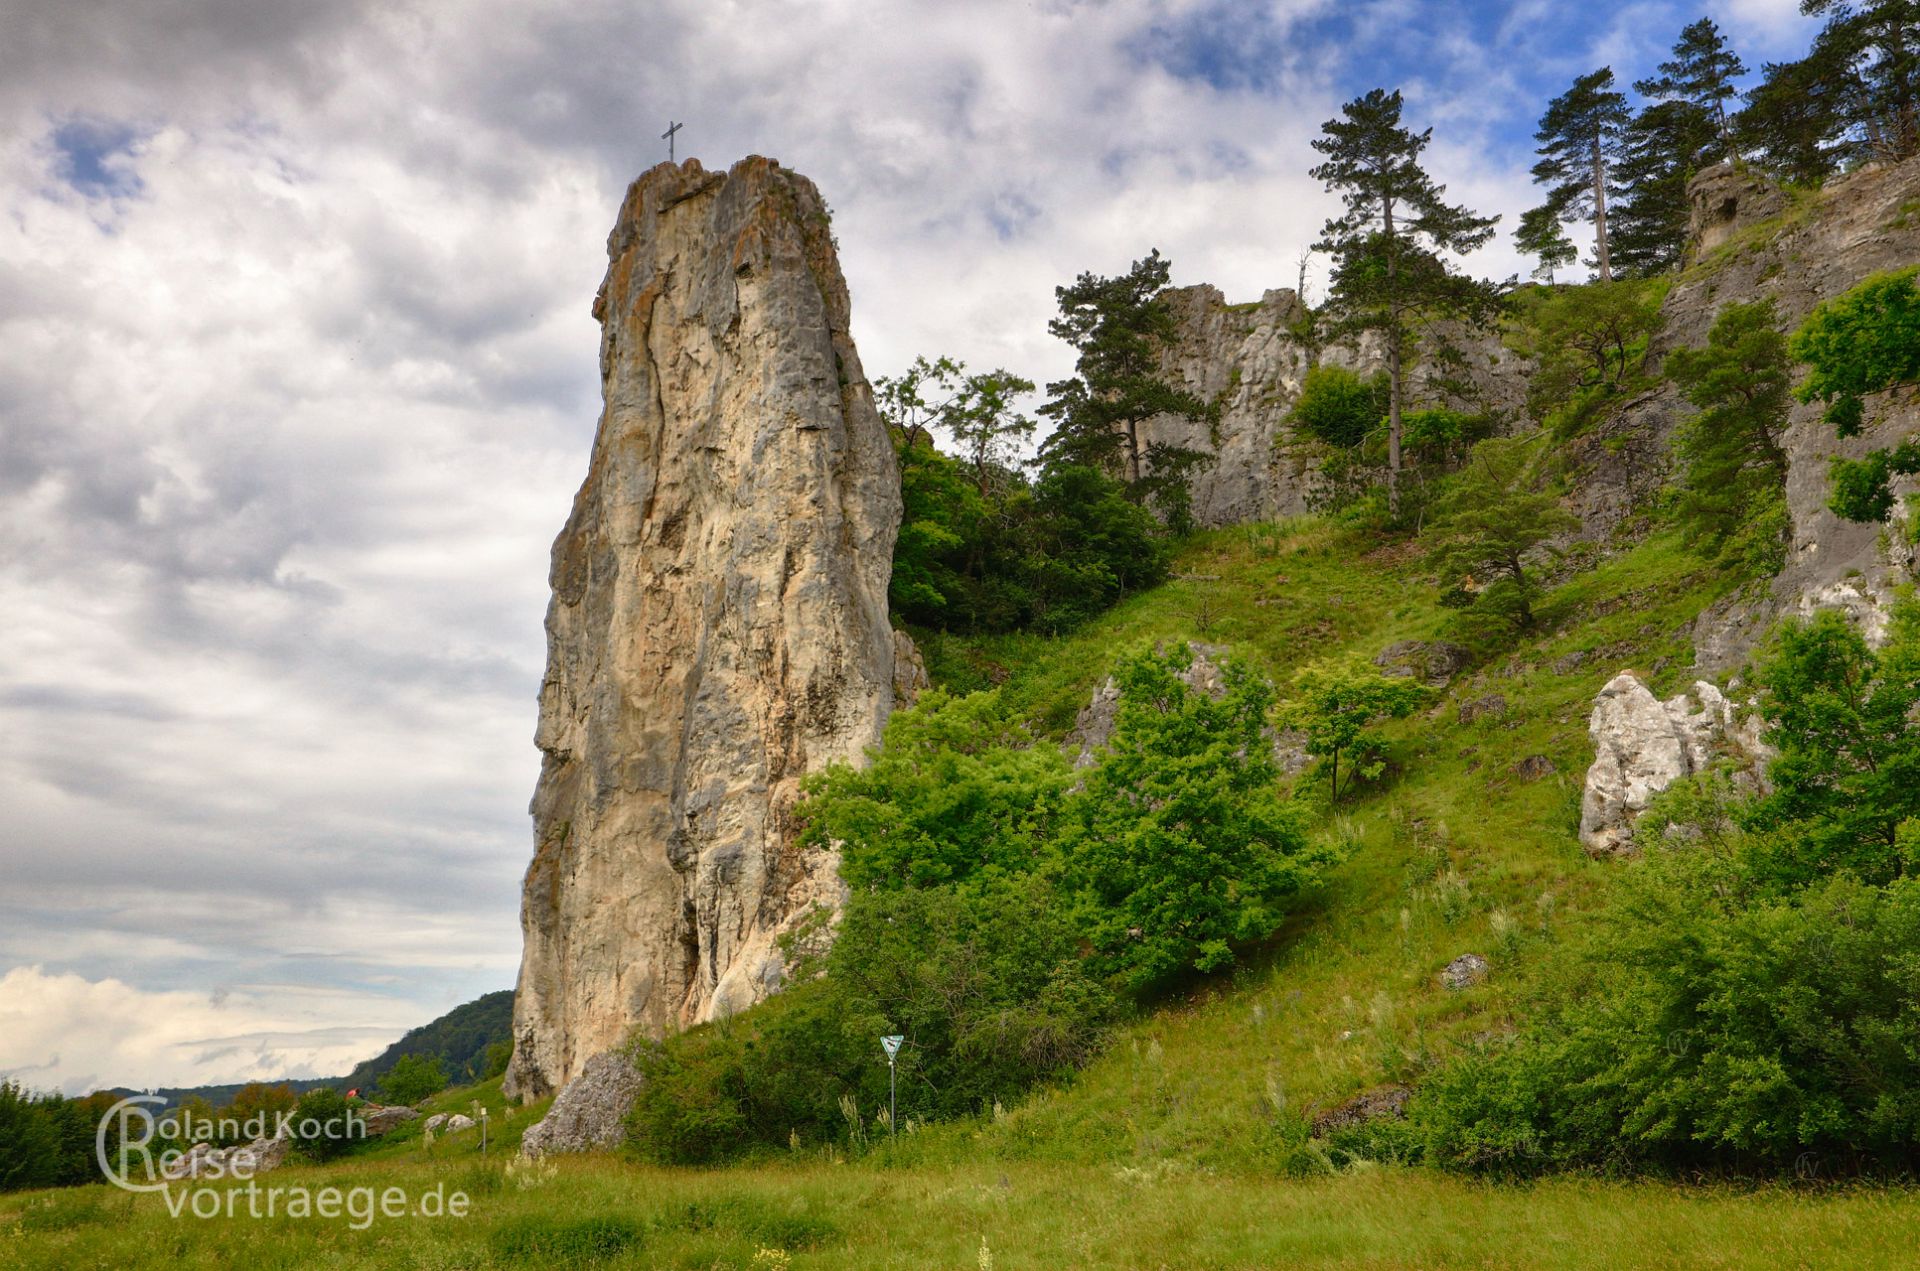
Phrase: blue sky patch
(94, 157)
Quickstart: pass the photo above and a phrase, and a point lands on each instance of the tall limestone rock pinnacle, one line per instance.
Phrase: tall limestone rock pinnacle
(718, 626)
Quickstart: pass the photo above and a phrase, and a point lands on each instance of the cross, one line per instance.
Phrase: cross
(667, 137)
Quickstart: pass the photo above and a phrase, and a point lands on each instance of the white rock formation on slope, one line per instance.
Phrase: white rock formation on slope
(718, 626)
(1642, 745)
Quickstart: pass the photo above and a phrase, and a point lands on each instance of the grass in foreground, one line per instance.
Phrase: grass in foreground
(601, 1212)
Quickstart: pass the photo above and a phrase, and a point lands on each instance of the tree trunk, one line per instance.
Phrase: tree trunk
(1600, 210)
(1393, 372)
(1133, 453)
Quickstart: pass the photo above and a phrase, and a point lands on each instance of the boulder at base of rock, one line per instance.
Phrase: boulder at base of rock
(381, 1118)
(590, 1113)
(1464, 971)
(435, 1121)
(1433, 663)
(456, 1123)
(1642, 745)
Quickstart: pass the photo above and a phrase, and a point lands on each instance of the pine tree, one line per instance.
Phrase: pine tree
(1120, 326)
(1878, 42)
(1664, 146)
(1792, 118)
(1701, 75)
(1580, 135)
(1388, 272)
(1733, 472)
(1540, 235)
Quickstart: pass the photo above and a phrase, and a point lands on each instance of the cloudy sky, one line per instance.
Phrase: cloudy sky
(297, 379)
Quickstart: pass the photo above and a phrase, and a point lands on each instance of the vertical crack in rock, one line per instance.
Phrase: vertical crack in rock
(718, 627)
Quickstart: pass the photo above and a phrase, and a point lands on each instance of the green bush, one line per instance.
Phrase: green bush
(323, 1128)
(413, 1078)
(958, 786)
(1724, 1027)
(1178, 846)
(1860, 343)
(1339, 406)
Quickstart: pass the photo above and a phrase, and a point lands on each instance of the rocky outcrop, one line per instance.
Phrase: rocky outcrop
(1642, 745)
(1093, 726)
(1250, 360)
(718, 626)
(1753, 242)
(591, 1113)
(1464, 972)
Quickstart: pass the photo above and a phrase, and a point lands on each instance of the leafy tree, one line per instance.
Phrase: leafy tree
(919, 397)
(322, 1127)
(1388, 271)
(1591, 343)
(1700, 76)
(1339, 406)
(1087, 545)
(28, 1142)
(413, 1078)
(257, 1099)
(1335, 705)
(1866, 341)
(1179, 846)
(498, 1056)
(1490, 526)
(978, 411)
(1846, 722)
(1733, 467)
(1580, 135)
(1661, 150)
(958, 788)
(1540, 235)
(1120, 326)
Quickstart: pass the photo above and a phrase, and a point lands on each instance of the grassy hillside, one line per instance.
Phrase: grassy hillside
(1456, 851)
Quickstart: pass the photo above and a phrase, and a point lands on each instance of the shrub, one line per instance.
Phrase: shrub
(1179, 846)
(1339, 406)
(413, 1078)
(322, 1127)
(958, 786)
(1860, 343)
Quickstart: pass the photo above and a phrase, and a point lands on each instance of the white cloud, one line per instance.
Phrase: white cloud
(73, 1034)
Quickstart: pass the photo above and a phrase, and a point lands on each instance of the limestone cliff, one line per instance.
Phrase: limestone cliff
(1752, 242)
(1250, 360)
(718, 625)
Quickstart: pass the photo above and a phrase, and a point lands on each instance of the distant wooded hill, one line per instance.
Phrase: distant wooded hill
(459, 1040)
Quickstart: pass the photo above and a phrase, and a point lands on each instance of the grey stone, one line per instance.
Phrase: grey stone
(718, 627)
(591, 1113)
(1464, 972)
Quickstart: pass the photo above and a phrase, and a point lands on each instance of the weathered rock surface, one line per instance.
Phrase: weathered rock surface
(1464, 972)
(1380, 1103)
(1432, 662)
(1248, 358)
(591, 1113)
(719, 619)
(1642, 745)
(1816, 247)
(382, 1118)
(204, 1160)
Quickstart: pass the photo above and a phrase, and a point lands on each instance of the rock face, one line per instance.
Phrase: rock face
(719, 619)
(1820, 245)
(1642, 745)
(1248, 358)
(591, 1113)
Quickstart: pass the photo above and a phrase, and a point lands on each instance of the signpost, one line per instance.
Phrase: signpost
(892, 1046)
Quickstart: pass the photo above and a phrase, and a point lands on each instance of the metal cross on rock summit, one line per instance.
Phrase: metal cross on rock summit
(667, 137)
